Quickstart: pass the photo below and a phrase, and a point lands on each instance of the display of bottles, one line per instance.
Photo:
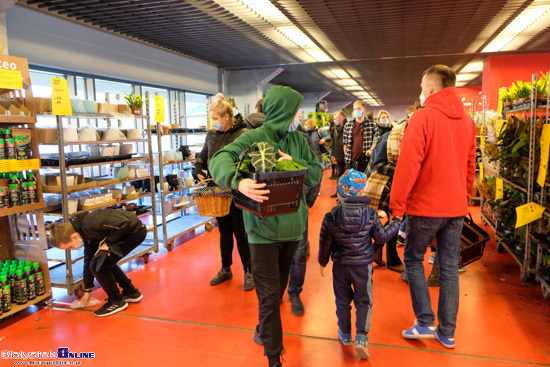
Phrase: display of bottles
(31, 187)
(2, 146)
(31, 283)
(38, 279)
(11, 278)
(14, 191)
(6, 293)
(9, 145)
(21, 291)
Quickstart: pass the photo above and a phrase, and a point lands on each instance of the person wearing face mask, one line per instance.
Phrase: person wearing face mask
(432, 185)
(107, 235)
(359, 135)
(338, 144)
(225, 129)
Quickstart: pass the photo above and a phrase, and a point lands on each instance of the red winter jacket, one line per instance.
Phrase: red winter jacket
(436, 166)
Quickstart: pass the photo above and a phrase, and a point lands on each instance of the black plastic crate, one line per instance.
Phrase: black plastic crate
(285, 193)
(472, 242)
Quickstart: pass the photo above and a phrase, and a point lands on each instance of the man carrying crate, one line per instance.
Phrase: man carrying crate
(432, 185)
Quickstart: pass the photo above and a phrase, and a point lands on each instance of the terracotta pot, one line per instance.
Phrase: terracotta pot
(507, 103)
(136, 111)
(515, 101)
(521, 100)
(165, 129)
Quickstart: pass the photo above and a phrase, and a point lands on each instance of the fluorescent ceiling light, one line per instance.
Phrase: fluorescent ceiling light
(318, 55)
(297, 36)
(265, 9)
(340, 73)
(353, 87)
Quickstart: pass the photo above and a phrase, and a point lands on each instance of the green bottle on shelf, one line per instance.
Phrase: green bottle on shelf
(39, 279)
(2, 146)
(20, 287)
(31, 283)
(14, 190)
(31, 187)
(23, 193)
(6, 293)
(11, 278)
(9, 144)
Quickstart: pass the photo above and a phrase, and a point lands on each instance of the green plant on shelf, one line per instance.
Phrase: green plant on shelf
(134, 101)
(523, 89)
(507, 97)
(542, 84)
(505, 209)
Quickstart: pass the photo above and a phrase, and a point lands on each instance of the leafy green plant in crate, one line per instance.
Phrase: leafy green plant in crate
(262, 160)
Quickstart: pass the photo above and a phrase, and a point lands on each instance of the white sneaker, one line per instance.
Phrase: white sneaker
(432, 258)
(462, 269)
(382, 214)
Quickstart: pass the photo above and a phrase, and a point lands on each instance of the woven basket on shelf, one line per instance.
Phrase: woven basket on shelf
(212, 201)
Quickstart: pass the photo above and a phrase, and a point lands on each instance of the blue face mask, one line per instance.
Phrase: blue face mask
(357, 114)
(385, 122)
(217, 125)
(293, 125)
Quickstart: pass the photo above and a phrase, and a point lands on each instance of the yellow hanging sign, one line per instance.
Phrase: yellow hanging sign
(501, 125)
(528, 213)
(61, 101)
(482, 135)
(10, 79)
(499, 191)
(501, 92)
(481, 176)
(159, 109)
(544, 151)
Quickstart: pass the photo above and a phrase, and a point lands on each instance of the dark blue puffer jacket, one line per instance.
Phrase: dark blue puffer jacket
(347, 233)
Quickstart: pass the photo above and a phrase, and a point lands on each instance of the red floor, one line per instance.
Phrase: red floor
(183, 321)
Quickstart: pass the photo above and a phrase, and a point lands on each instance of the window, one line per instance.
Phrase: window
(115, 90)
(196, 116)
(42, 82)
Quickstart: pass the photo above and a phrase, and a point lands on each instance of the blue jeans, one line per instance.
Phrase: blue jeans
(298, 267)
(403, 225)
(420, 233)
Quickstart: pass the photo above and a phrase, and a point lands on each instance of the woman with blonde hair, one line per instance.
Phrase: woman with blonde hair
(225, 129)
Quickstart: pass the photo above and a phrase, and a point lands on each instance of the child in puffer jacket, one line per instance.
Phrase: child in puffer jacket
(346, 234)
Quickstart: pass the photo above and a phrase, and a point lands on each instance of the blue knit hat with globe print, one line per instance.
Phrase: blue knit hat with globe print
(351, 183)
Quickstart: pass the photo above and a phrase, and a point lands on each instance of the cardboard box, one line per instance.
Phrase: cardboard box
(52, 184)
(46, 136)
(124, 109)
(43, 105)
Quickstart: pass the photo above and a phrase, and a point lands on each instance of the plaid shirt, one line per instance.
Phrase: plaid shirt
(369, 132)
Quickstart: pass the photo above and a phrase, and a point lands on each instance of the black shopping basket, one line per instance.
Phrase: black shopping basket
(472, 242)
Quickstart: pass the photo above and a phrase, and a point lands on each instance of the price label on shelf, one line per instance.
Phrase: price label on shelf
(481, 176)
(14, 165)
(11, 79)
(499, 191)
(528, 213)
(159, 109)
(482, 135)
(544, 150)
(61, 101)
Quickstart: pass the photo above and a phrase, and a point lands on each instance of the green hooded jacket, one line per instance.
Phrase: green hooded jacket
(280, 107)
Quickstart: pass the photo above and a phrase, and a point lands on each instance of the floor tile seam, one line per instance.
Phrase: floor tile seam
(325, 339)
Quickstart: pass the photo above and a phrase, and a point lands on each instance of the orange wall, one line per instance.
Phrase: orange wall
(502, 71)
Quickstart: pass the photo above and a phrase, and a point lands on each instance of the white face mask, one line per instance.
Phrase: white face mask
(336, 122)
(80, 244)
(357, 114)
(293, 125)
(217, 125)
(385, 122)
(422, 98)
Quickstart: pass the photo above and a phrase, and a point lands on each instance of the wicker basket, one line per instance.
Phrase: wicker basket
(212, 201)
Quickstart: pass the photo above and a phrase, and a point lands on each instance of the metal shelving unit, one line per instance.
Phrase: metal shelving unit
(68, 273)
(178, 221)
(524, 262)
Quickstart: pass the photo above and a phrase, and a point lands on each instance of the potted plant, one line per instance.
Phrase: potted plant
(523, 91)
(542, 88)
(513, 92)
(507, 99)
(134, 102)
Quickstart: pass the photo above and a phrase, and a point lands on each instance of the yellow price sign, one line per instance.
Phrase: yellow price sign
(11, 79)
(528, 213)
(499, 191)
(159, 109)
(481, 176)
(501, 92)
(482, 135)
(544, 151)
(501, 125)
(61, 101)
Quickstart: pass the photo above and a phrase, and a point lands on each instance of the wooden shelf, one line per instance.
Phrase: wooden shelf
(176, 191)
(15, 308)
(100, 186)
(58, 213)
(176, 134)
(77, 115)
(21, 209)
(178, 162)
(17, 119)
(140, 158)
(189, 206)
(144, 214)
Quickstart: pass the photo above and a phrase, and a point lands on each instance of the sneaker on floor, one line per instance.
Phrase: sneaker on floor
(361, 349)
(274, 361)
(333, 177)
(448, 343)
(221, 277)
(110, 308)
(382, 214)
(248, 281)
(334, 196)
(404, 276)
(132, 297)
(419, 332)
(345, 338)
(432, 258)
(297, 306)
(462, 269)
(400, 240)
